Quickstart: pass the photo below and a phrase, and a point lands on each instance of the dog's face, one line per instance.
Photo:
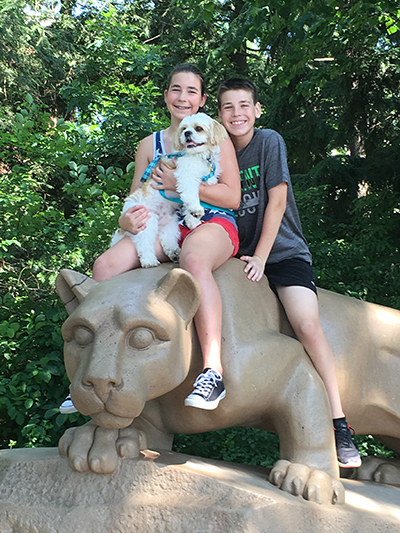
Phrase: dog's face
(198, 133)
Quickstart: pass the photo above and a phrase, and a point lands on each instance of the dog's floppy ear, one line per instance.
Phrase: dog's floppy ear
(218, 133)
(176, 143)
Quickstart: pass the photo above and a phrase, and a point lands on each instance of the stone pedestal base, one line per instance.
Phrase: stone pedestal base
(174, 493)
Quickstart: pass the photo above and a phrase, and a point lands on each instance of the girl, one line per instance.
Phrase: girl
(205, 248)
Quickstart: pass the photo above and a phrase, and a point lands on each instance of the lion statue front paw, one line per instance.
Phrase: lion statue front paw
(91, 448)
(300, 480)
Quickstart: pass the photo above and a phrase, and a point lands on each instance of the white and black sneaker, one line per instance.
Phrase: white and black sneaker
(68, 407)
(208, 391)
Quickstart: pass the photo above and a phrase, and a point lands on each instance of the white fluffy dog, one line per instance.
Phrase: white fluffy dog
(196, 145)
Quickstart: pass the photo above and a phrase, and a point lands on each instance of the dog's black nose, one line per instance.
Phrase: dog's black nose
(188, 135)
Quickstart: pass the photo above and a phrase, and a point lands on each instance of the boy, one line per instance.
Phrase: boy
(272, 242)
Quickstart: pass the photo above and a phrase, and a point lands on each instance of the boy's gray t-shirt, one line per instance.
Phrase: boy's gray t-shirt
(263, 165)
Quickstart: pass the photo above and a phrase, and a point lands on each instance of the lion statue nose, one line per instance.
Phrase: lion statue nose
(102, 386)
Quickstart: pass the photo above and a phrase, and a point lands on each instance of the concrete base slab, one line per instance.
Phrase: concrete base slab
(174, 493)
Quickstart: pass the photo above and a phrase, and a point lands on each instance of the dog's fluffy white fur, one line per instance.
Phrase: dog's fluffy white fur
(198, 137)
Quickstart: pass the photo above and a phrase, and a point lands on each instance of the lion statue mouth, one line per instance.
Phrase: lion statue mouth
(113, 413)
(111, 421)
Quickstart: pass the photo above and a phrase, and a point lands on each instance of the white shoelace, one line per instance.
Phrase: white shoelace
(205, 382)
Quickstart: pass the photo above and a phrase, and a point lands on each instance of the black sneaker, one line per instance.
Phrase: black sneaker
(208, 391)
(347, 453)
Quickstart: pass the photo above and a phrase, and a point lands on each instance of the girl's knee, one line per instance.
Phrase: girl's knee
(101, 268)
(107, 266)
(191, 261)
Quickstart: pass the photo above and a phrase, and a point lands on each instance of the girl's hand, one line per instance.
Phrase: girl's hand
(254, 268)
(134, 219)
(163, 177)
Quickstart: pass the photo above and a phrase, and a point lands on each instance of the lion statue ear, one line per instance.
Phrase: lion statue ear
(73, 287)
(181, 290)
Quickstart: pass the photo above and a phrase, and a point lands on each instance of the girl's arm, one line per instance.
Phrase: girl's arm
(144, 156)
(277, 197)
(129, 220)
(227, 192)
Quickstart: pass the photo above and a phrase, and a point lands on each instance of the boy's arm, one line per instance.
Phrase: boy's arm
(277, 197)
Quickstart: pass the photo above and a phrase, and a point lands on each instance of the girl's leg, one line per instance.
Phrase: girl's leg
(203, 251)
(301, 306)
(120, 258)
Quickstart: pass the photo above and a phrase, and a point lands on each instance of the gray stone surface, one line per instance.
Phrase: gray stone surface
(174, 493)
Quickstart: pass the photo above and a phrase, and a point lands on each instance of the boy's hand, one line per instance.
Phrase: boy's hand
(163, 176)
(254, 268)
(134, 219)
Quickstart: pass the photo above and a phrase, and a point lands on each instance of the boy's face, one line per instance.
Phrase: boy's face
(238, 113)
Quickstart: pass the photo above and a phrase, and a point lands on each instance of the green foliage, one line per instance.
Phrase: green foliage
(237, 445)
(33, 379)
(57, 209)
(354, 238)
(368, 445)
(111, 86)
(254, 446)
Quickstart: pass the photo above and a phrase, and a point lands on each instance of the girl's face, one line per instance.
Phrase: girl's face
(183, 97)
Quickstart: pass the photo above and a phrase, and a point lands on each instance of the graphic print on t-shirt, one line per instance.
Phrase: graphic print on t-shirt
(250, 179)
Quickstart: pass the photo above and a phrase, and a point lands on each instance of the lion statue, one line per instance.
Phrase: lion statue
(132, 354)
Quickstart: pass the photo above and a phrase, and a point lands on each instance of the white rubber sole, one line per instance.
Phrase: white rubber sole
(200, 403)
(353, 464)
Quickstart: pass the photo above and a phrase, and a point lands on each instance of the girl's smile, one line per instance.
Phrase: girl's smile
(184, 97)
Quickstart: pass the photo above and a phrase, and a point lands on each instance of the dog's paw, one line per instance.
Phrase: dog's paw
(191, 221)
(149, 263)
(313, 485)
(174, 254)
(147, 258)
(197, 213)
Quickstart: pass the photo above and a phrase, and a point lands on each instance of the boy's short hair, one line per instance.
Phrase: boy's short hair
(236, 84)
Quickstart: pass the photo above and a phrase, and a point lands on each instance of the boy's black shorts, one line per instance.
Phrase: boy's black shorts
(290, 272)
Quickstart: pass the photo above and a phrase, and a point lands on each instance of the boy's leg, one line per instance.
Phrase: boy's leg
(120, 258)
(301, 307)
(203, 251)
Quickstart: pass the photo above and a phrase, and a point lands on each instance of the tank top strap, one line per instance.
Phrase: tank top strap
(158, 144)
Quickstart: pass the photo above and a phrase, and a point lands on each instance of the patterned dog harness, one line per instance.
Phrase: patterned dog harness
(158, 152)
(149, 169)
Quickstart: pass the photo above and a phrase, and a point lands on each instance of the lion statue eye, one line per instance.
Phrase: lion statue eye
(83, 336)
(141, 338)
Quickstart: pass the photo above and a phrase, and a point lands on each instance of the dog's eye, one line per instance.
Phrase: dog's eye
(83, 336)
(198, 129)
(141, 338)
